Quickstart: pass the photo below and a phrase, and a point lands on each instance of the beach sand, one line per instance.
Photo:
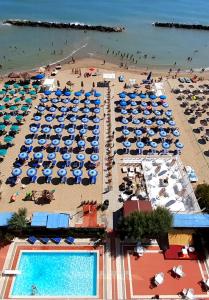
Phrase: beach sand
(68, 197)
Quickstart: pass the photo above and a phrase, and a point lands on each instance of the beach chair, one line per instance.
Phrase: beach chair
(44, 240)
(56, 240)
(70, 240)
(33, 179)
(64, 179)
(32, 239)
(54, 162)
(48, 179)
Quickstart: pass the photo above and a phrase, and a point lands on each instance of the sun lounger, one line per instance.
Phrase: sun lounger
(70, 240)
(56, 240)
(44, 240)
(32, 239)
(11, 272)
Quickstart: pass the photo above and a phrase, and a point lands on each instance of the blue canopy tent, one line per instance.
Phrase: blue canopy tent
(5, 217)
(191, 221)
(58, 221)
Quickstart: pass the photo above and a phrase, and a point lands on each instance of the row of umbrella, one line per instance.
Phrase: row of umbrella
(59, 93)
(141, 145)
(73, 101)
(123, 95)
(144, 104)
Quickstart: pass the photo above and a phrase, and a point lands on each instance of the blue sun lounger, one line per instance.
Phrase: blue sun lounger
(56, 240)
(70, 240)
(44, 240)
(32, 239)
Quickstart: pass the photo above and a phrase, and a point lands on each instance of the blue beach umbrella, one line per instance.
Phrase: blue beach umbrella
(146, 112)
(96, 110)
(165, 104)
(97, 102)
(154, 104)
(37, 118)
(65, 100)
(83, 131)
(16, 172)
(172, 123)
(122, 95)
(75, 109)
(157, 112)
(71, 130)
(92, 173)
(165, 145)
(124, 111)
(78, 94)
(142, 96)
(23, 155)
(33, 129)
(31, 172)
(60, 119)
(38, 155)
(73, 119)
(135, 111)
(148, 122)
(62, 172)
(133, 103)
(63, 109)
(87, 94)
(80, 157)
(41, 142)
(124, 121)
(51, 156)
(66, 156)
(136, 121)
(46, 129)
(39, 76)
(127, 144)
(132, 96)
(28, 141)
(139, 145)
(68, 143)
(55, 142)
(67, 93)
(54, 100)
(81, 143)
(138, 132)
(153, 144)
(49, 118)
(160, 122)
(125, 132)
(44, 100)
(123, 103)
(52, 109)
(176, 133)
(77, 101)
(58, 93)
(58, 130)
(86, 110)
(163, 133)
(168, 113)
(85, 120)
(94, 143)
(47, 92)
(179, 145)
(77, 173)
(96, 131)
(151, 132)
(47, 172)
(94, 157)
(143, 104)
(97, 94)
(96, 120)
(153, 97)
(163, 97)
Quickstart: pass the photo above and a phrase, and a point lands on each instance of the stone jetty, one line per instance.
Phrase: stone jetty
(181, 25)
(57, 25)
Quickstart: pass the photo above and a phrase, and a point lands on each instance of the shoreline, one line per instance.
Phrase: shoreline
(86, 62)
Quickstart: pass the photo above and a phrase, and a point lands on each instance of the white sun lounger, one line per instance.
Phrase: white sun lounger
(11, 272)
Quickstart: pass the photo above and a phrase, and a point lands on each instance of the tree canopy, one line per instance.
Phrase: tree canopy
(18, 222)
(140, 225)
(202, 194)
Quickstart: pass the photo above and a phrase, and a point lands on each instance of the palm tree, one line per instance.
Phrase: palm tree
(19, 222)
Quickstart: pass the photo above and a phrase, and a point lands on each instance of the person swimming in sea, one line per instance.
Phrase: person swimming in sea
(34, 290)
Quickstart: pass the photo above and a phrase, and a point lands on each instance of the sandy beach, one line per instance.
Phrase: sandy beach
(69, 196)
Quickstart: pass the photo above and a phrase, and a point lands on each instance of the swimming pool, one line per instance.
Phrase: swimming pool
(56, 274)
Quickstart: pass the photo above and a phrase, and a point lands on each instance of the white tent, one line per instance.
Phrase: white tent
(108, 76)
(49, 84)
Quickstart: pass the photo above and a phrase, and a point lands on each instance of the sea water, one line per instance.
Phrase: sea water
(26, 48)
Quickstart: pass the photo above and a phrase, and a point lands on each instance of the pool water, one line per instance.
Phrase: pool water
(56, 273)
